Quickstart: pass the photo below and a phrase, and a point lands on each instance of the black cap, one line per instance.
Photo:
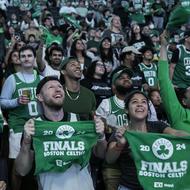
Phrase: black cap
(131, 94)
(106, 38)
(44, 81)
(117, 74)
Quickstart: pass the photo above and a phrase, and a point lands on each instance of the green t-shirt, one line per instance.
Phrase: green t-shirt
(81, 104)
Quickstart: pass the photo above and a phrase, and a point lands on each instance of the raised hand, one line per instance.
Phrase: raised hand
(29, 129)
(99, 125)
(119, 135)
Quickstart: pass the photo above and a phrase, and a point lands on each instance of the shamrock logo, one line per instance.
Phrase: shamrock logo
(65, 132)
(162, 148)
(163, 151)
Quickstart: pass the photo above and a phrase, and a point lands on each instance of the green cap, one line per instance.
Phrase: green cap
(66, 60)
(120, 72)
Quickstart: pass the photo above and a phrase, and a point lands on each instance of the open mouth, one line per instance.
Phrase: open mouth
(78, 71)
(58, 96)
(139, 110)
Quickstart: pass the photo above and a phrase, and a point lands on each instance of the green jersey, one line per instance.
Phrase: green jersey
(19, 115)
(181, 77)
(150, 73)
(113, 111)
(118, 112)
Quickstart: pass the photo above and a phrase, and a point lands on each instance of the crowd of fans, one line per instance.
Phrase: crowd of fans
(100, 51)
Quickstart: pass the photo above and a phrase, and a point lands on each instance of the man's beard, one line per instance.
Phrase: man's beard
(55, 105)
(124, 90)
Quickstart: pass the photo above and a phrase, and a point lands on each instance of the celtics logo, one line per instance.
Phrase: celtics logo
(162, 148)
(64, 132)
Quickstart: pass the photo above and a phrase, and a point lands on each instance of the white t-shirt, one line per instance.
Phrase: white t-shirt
(49, 71)
(72, 179)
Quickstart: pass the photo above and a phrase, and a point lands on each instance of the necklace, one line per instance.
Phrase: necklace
(74, 99)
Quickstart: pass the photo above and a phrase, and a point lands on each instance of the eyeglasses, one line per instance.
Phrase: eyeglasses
(99, 65)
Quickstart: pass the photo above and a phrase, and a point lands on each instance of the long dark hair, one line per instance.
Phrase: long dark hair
(146, 39)
(106, 57)
(10, 68)
(73, 48)
(91, 70)
(130, 96)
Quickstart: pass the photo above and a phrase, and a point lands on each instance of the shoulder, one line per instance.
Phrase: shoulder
(104, 108)
(157, 123)
(157, 126)
(104, 102)
(11, 79)
(86, 91)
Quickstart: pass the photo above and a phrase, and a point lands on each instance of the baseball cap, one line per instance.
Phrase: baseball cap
(131, 94)
(44, 81)
(120, 72)
(66, 61)
(106, 38)
(130, 49)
